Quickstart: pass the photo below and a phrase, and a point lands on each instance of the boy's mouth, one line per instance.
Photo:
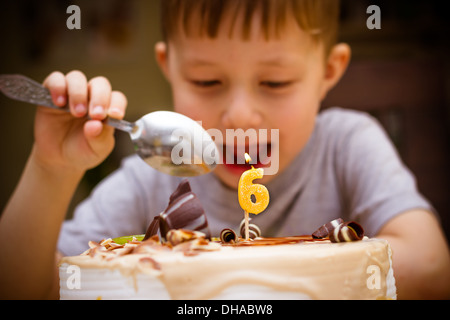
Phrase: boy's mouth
(234, 157)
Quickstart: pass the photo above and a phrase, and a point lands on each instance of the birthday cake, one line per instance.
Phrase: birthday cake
(184, 262)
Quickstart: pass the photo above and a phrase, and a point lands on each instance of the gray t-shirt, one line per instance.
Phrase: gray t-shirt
(348, 169)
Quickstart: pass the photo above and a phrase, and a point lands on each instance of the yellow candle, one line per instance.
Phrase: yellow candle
(247, 188)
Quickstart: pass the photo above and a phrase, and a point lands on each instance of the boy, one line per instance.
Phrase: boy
(233, 65)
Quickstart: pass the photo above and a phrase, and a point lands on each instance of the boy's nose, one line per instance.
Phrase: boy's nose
(242, 113)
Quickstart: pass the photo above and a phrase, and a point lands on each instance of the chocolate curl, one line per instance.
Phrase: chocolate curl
(254, 231)
(183, 188)
(228, 236)
(327, 228)
(184, 212)
(347, 232)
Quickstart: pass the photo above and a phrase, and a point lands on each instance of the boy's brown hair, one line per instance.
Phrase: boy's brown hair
(319, 18)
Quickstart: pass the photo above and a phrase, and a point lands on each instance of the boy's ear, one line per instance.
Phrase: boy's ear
(336, 65)
(162, 57)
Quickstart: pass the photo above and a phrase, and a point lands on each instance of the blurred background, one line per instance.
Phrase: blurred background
(400, 74)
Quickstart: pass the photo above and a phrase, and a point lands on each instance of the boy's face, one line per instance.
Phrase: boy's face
(231, 83)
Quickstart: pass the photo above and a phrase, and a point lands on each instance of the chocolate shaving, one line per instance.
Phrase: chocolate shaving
(347, 232)
(125, 250)
(93, 244)
(149, 263)
(100, 250)
(194, 246)
(176, 237)
(326, 229)
(114, 246)
(152, 245)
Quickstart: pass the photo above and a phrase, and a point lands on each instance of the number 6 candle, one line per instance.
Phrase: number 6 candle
(247, 188)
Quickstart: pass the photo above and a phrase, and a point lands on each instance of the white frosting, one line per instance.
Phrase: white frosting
(320, 270)
(391, 290)
(110, 284)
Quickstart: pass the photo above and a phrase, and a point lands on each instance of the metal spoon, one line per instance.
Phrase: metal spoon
(169, 142)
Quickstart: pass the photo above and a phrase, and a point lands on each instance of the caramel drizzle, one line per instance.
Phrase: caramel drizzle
(272, 241)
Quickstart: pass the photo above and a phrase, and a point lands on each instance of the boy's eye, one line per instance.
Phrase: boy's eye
(205, 83)
(275, 84)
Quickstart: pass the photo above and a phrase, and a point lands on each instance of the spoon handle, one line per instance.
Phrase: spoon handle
(21, 88)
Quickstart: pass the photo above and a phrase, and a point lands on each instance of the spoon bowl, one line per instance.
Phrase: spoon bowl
(174, 144)
(168, 141)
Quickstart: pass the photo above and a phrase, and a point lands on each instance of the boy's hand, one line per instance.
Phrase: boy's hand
(71, 141)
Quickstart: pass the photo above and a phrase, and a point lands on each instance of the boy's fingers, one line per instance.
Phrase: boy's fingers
(77, 89)
(56, 83)
(93, 128)
(99, 136)
(117, 105)
(100, 97)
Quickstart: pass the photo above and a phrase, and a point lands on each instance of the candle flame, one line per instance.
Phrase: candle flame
(247, 158)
